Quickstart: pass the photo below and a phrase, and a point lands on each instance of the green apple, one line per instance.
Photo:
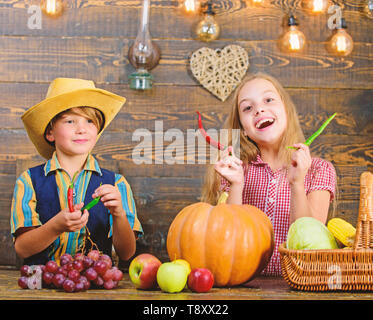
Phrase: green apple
(183, 263)
(186, 265)
(172, 277)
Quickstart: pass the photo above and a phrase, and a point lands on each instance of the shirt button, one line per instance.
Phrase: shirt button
(271, 200)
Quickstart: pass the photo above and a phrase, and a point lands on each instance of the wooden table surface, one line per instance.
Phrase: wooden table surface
(261, 288)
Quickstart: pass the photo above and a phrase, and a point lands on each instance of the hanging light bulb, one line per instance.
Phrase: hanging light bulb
(53, 8)
(368, 9)
(190, 7)
(316, 6)
(256, 3)
(208, 29)
(143, 54)
(341, 43)
(293, 40)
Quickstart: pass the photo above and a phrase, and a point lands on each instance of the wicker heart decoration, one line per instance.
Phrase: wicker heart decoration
(221, 70)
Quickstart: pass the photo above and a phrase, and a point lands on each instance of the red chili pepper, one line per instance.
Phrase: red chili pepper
(70, 194)
(208, 139)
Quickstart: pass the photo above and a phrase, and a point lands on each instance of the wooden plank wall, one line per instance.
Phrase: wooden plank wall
(91, 40)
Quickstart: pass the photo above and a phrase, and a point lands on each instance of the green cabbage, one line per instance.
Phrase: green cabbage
(309, 233)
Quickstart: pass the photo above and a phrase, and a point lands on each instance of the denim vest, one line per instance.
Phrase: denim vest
(48, 205)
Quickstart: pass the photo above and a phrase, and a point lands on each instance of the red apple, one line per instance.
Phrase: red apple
(200, 280)
(143, 271)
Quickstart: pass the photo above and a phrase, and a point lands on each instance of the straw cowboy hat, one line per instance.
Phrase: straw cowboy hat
(63, 94)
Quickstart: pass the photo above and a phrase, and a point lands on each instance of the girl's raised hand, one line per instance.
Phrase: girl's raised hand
(230, 167)
(300, 163)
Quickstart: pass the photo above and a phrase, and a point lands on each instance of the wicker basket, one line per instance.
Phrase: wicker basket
(336, 269)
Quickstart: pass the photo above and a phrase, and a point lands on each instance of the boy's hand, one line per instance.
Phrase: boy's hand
(111, 198)
(66, 221)
(300, 163)
(230, 167)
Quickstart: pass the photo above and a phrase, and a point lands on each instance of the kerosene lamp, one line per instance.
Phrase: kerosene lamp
(144, 54)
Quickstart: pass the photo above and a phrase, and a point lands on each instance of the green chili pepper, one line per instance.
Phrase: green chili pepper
(317, 133)
(92, 203)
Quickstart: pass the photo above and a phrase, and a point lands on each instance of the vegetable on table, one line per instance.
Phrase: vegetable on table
(343, 231)
(317, 133)
(307, 233)
(235, 242)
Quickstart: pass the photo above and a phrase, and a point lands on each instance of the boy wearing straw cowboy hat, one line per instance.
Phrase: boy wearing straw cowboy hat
(64, 129)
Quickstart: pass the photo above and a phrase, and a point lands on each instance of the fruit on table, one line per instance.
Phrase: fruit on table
(343, 231)
(94, 255)
(183, 263)
(73, 274)
(51, 266)
(235, 242)
(22, 282)
(26, 270)
(143, 271)
(309, 233)
(172, 277)
(31, 277)
(200, 280)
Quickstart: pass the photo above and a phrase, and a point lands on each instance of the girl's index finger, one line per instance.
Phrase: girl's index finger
(232, 156)
(298, 145)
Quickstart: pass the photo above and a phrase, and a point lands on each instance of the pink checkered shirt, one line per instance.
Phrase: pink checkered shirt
(270, 192)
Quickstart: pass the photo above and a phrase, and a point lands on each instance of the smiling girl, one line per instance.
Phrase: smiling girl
(285, 184)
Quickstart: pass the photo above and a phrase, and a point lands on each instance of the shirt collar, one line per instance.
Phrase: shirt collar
(52, 164)
(258, 160)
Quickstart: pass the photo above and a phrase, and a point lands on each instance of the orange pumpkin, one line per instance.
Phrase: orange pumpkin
(235, 242)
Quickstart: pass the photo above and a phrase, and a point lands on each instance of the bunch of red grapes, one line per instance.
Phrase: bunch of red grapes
(74, 274)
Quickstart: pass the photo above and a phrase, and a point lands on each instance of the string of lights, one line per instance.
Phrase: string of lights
(293, 40)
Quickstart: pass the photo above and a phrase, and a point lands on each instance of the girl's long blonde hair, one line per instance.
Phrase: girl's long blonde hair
(248, 148)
